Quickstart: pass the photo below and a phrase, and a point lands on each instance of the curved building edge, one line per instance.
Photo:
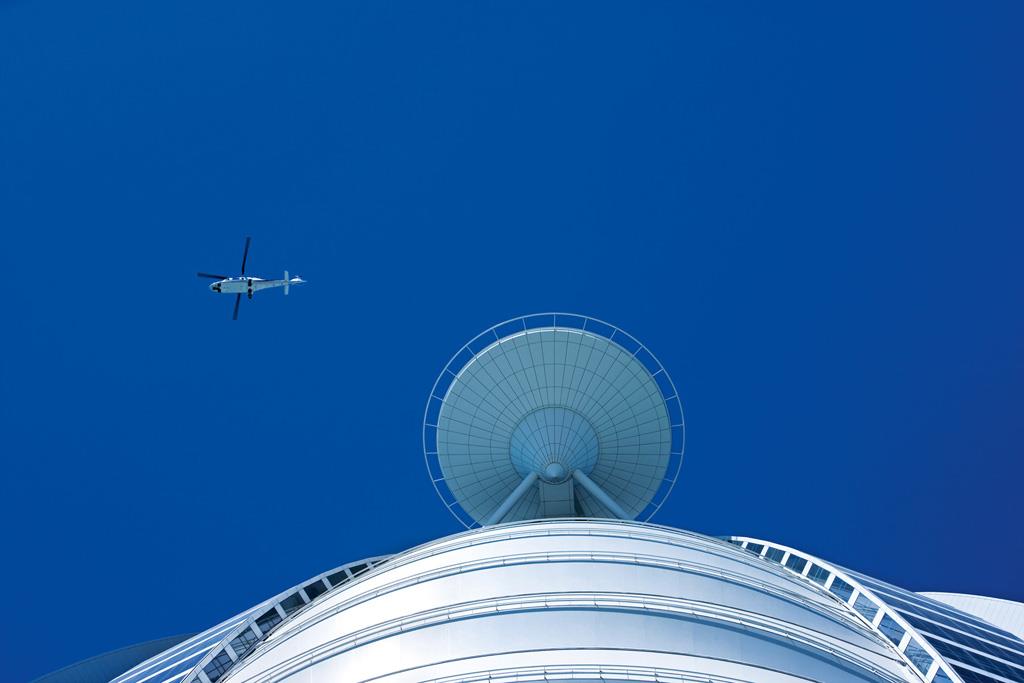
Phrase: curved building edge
(1006, 614)
(101, 668)
(939, 644)
(209, 655)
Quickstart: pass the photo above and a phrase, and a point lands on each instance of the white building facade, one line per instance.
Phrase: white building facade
(548, 437)
(602, 600)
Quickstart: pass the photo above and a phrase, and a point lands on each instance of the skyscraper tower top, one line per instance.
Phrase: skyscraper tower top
(553, 415)
(557, 415)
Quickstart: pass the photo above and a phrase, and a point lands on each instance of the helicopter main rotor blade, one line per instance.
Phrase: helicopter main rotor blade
(245, 254)
(212, 276)
(238, 300)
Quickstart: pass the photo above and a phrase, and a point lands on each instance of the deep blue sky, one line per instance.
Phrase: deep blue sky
(812, 215)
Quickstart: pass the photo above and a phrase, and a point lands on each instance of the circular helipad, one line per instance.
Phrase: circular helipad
(553, 415)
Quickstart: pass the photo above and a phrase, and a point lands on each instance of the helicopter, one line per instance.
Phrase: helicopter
(247, 284)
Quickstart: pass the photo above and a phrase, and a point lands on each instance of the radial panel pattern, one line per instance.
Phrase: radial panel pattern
(553, 435)
(554, 394)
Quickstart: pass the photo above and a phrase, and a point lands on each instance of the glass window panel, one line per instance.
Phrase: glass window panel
(797, 564)
(355, 569)
(338, 578)
(218, 666)
(755, 548)
(866, 608)
(941, 677)
(243, 641)
(774, 554)
(917, 654)
(841, 589)
(818, 574)
(292, 603)
(268, 621)
(893, 631)
(315, 590)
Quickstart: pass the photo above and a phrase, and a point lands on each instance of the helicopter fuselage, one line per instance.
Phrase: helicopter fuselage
(249, 285)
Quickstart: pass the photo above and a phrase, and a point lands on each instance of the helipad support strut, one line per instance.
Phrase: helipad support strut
(513, 498)
(599, 493)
